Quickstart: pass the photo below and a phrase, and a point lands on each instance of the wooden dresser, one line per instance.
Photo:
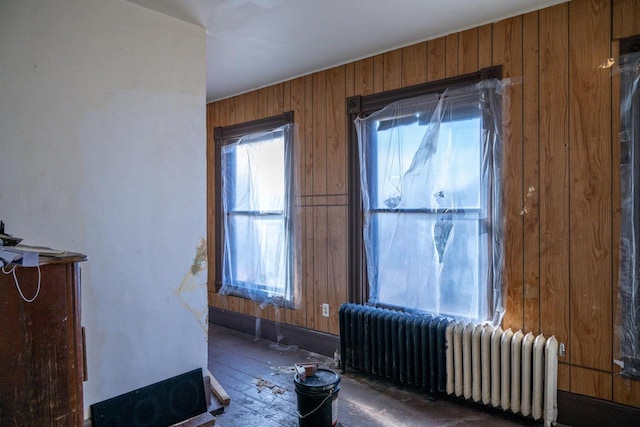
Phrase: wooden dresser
(42, 363)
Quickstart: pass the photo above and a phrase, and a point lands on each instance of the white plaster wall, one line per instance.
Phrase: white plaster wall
(102, 151)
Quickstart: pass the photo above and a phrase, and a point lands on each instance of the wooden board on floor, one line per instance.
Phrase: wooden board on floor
(217, 390)
(202, 420)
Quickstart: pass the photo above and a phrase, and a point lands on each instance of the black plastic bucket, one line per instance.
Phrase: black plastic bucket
(318, 399)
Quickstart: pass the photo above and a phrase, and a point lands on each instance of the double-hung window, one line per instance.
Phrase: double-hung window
(256, 232)
(429, 175)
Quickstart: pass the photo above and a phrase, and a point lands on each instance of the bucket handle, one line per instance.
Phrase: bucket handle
(317, 407)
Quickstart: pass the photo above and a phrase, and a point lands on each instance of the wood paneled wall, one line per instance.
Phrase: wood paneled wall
(561, 184)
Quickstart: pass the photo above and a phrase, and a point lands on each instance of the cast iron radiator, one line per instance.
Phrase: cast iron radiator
(477, 362)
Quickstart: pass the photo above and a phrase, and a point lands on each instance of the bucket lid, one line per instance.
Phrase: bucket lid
(322, 378)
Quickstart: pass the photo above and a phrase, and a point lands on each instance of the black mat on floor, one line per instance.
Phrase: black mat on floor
(161, 404)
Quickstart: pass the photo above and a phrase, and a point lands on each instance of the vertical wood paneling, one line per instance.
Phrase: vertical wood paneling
(392, 69)
(286, 96)
(564, 377)
(626, 391)
(590, 180)
(363, 77)
(278, 99)
(554, 173)
(252, 308)
(310, 290)
(337, 262)
(451, 55)
(251, 106)
(485, 46)
(309, 243)
(591, 383)
(231, 111)
(626, 18)
(469, 51)
(349, 79)
(267, 99)
(320, 151)
(224, 111)
(320, 133)
(336, 132)
(320, 263)
(436, 50)
(414, 64)
(507, 50)
(264, 104)
(297, 102)
(241, 109)
(531, 172)
(378, 73)
(307, 138)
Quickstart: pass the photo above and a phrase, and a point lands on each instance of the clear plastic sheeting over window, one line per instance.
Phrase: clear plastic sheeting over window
(261, 241)
(431, 177)
(629, 282)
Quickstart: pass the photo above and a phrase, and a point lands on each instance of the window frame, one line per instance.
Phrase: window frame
(628, 282)
(225, 135)
(362, 106)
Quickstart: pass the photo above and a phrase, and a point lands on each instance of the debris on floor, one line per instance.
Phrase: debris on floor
(262, 384)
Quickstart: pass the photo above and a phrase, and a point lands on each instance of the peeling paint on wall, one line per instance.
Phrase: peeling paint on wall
(195, 280)
(200, 260)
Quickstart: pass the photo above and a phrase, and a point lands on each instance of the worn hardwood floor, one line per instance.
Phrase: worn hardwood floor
(258, 376)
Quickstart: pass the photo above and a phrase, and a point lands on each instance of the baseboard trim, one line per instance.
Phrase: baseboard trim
(308, 339)
(578, 410)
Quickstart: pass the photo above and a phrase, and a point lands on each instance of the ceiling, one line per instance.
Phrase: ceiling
(256, 43)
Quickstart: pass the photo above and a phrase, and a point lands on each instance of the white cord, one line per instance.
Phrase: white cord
(15, 279)
(318, 407)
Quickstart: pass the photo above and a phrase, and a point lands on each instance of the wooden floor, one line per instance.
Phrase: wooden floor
(258, 376)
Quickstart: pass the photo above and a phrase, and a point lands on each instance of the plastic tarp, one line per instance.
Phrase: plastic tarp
(431, 185)
(629, 285)
(261, 224)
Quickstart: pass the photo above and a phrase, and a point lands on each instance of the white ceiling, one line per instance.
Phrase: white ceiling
(256, 43)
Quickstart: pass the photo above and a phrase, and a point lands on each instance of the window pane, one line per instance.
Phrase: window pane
(258, 252)
(258, 175)
(435, 258)
(453, 172)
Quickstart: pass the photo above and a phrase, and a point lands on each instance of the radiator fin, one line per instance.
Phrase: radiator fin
(477, 362)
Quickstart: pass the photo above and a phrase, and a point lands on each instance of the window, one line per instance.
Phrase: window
(429, 170)
(629, 277)
(256, 238)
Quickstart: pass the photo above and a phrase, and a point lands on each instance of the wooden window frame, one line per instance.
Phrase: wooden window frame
(362, 106)
(224, 135)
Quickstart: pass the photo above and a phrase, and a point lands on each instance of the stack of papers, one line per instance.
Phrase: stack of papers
(19, 254)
